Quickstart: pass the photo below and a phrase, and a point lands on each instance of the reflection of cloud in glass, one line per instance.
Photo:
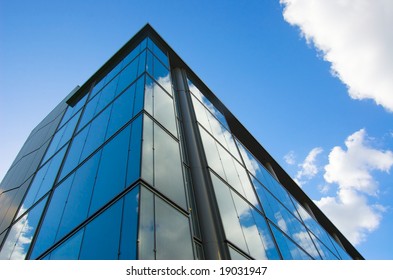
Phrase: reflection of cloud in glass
(166, 83)
(18, 240)
(303, 239)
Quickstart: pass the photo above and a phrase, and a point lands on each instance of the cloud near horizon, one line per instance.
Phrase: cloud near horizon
(355, 37)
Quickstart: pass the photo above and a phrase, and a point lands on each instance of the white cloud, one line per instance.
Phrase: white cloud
(352, 214)
(355, 37)
(352, 168)
(290, 158)
(350, 210)
(308, 168)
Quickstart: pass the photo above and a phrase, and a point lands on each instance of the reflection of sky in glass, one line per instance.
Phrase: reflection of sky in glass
(243, 225)
(21, 234)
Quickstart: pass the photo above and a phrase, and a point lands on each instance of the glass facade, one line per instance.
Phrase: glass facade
(116, 181)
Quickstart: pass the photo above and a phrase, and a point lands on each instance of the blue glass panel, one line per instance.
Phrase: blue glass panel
(114, 71)
(314, 227)
(47, 234)
(21, 234)
(69, 249)
(61, 137)
(159, 72)
(158, 52)
(98, 86)
(102, 235)
(134, 153)
(78, 201)
(111, 176)
(107, 94)
(173, 235)
(324, 252)
(128, 249)
(285, 220)
(71, 110)
(43, 181)
(147, 150)
(74, 152)
(343, 254)
(139, 95)
(163, 108)
(200, 112)
(146, 250)
(134, 52)
(131, 72)
(97, 133)
(258, 239)
(89, 111)
(289, 250)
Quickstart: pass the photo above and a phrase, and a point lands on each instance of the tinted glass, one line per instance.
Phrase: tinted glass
(159, 72)
(211, 152)
(47, 234)
(111, 176)
(69, 250)
(229, 216)
(158, 52)
(107, 94)
(78, 200)
(235, 255)
(134, 153)
(146, 250)
(102, 235)
(89, 112)
(131, 72)
(288, 249)
(173, 236)
(18, 241)
(128, 249)
(160, 105)
(43, 181)
(324, 252)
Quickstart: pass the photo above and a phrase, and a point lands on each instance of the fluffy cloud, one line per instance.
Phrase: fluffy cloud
(355, 37)
(308, 168)
(351, 169)
(290, 158)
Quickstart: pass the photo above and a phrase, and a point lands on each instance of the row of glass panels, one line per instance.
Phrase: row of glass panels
(245, 189)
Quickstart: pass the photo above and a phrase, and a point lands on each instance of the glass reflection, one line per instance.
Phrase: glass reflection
(102, 235)
(69, 250)
(21, 234)
(163, 151)
(128, 248)
(43, 181)
(146, 250)
(159, 72)
(289, 250)
(235, 255)
(158, 52)
(160, 105)
(173, 237)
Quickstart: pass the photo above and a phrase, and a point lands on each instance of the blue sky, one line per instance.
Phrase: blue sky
(312, 82)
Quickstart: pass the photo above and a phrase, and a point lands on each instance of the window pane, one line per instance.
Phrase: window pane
(229, 217)
(68, 250)
(163, 107)
(169, 180)
(18, 241)
(89, 112)
(74, 153)
(78, 200)
(147, 150)
(211, 152)
(173, 233)
(288, 249)
(159, 72)
(102, 235)
(107, 94)
(97, 133)
(158, 52)
(146, 249)
(235, 255)
(111, 174)
(47, 234)
(325, 253)
(128, 249)
(134, 153)
(43, 181)
(130, 73)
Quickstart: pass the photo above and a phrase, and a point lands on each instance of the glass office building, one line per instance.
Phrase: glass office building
(144, 162)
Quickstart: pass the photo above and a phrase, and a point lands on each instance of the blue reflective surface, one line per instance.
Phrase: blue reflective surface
(69, 250)
(111, 176)
(159, 72)
(43, 181)
(289, 250)
(102, 235)
(129, 233)
(158, 52)
(21, 234)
